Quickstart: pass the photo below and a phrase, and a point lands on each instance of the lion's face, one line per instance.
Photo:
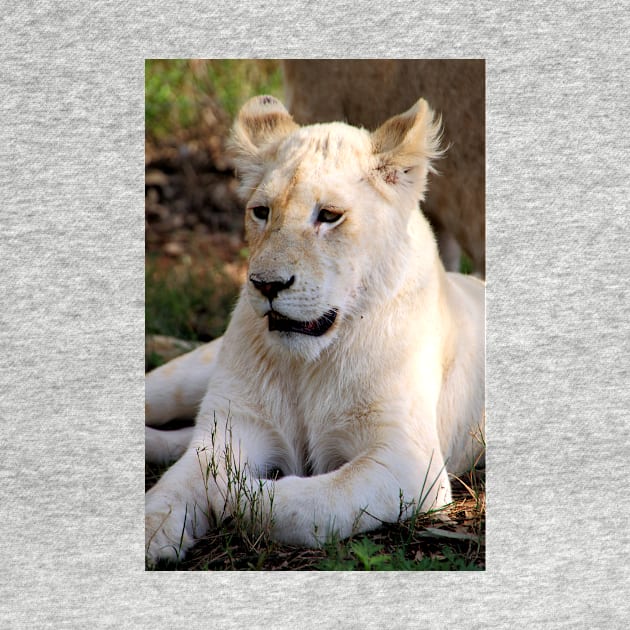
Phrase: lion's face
(323, 220)
(305, 222)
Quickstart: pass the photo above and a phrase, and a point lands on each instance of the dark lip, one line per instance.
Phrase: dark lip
(316, 328)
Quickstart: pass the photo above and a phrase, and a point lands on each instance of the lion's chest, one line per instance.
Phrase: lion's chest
(325, 436)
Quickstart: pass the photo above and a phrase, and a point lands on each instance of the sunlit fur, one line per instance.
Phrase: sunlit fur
(364, 420)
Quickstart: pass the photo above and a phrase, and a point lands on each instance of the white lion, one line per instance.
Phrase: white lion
(351, 376)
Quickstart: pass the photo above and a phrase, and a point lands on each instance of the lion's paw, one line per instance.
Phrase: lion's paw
(167, 535)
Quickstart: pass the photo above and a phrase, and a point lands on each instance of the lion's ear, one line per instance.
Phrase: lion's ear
(405, 146)
(262, 121)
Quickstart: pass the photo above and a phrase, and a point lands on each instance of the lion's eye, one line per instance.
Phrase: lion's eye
(261, 212)
(328, 216)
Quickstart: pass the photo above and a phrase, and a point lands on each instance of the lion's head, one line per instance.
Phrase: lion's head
(327, 215)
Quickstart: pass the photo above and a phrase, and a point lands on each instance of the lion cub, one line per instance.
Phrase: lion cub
(351, 376)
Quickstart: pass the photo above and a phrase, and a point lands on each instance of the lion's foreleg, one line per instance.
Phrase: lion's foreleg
(218, 476)
(363, 494)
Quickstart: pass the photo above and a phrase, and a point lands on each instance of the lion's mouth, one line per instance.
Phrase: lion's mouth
(315, 328)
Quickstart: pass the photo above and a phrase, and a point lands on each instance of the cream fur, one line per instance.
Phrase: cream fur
(363, 421)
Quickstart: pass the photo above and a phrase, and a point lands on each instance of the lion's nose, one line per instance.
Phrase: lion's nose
(270, 287)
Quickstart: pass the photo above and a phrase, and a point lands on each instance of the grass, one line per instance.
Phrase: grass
(366, 555)
(190, 298)
(465, 265)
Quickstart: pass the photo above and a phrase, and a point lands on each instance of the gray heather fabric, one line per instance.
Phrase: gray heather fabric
(71, 371)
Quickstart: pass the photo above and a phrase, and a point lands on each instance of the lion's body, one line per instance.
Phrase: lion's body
(363, 384)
